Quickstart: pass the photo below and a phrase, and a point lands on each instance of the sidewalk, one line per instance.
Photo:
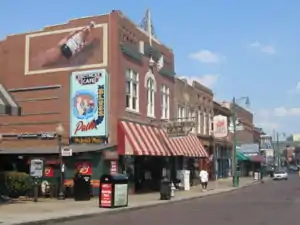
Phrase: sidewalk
(28, 212)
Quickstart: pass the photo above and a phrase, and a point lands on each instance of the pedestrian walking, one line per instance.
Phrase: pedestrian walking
(203, 179)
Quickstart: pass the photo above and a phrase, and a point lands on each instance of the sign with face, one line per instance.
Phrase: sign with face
(88, 104)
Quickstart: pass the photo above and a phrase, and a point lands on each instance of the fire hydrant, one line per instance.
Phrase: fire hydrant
(172, 190)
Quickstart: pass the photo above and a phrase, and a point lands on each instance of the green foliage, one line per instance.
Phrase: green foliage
(15, 183)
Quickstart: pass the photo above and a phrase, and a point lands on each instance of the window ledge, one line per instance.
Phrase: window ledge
(132, 111)
(151, 117)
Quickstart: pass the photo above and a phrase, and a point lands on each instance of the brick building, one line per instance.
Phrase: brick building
(223, 146)
(245, 119)
(136, 72)
(193, 101)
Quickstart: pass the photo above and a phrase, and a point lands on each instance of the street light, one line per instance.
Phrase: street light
(60, 131)
(278, 148)
(235, 180)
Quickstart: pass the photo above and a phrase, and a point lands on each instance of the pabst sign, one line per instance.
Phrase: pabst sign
(88, 103)
(220, 126)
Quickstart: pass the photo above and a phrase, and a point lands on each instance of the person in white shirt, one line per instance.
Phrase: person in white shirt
(203, 178)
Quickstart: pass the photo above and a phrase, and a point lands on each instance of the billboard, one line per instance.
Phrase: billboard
(66, 49)
(88, 106)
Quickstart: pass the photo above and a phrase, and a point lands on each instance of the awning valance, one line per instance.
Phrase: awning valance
(141, 139)
(241, 156)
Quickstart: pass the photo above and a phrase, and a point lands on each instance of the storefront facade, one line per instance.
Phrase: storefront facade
(148, 153)
(222, 146)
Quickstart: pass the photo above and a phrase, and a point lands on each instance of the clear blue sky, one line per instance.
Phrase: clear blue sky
(239, 48)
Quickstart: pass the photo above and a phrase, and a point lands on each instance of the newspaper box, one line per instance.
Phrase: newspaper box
(113, 191)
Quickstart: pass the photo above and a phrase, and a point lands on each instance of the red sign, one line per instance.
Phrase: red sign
(113, 167)
(84, 168)
(49, 171)
(106, 195)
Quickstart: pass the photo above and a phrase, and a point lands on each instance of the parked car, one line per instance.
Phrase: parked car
(280, 175)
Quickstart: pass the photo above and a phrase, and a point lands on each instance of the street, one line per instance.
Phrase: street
(274, 202)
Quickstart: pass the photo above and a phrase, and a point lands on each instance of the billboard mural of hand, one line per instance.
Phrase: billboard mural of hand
(68, 47)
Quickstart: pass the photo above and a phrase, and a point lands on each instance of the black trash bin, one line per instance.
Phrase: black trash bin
(113, 191)
(165, 189)
(82, 187)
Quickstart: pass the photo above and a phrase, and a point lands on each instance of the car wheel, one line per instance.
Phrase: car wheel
(286, 179)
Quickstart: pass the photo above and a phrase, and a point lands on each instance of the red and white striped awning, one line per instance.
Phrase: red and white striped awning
(189, 145)
(139, 139)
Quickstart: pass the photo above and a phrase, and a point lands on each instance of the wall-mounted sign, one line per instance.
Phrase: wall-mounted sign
(66, 152)
(88, 104)
(88, 140)
(220, 126)
(49, 171)
(179, 128)
(39, 135)
(113, 167)
(84, 168)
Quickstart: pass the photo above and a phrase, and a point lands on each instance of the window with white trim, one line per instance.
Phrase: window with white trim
(132, 90)
(165, 102)
(181, 113)
(204, 123)
(199, 122)
(150, 97)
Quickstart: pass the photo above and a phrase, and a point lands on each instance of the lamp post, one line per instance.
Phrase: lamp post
(60, 131)
(277, 155)
(235, 180)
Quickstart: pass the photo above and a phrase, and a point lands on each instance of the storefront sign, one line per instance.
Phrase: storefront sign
(49, 171)
(220, 126)
(84, 168)
(66, 152)
(106, 195)
(88, 140)
(88, 104)
(113, 167)
(179, 128)
(39, 135)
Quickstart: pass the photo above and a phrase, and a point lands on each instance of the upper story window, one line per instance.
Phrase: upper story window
(181, 114)
(132, 90)
(150, 85)
(165, 102)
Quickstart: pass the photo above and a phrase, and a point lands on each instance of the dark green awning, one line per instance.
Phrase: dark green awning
(242, 157)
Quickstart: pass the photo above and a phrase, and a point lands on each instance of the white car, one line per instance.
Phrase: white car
(280, 175)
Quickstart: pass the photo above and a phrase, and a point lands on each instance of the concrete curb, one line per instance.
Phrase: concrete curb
(121, 210)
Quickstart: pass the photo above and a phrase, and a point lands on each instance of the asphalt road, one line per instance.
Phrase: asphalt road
(271, 203)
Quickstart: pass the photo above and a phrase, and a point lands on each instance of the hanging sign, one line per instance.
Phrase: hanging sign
(220, 126)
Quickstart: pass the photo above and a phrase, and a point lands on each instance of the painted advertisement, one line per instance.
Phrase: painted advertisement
(220, 126)
(66, 49)
(88, 104)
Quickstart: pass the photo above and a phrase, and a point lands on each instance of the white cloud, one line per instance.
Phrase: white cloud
(206, 56)
(267, 49)
(208, 80)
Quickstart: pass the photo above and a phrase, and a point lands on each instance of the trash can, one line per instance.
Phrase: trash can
(165, 189)
(82, 187)
(113, 191)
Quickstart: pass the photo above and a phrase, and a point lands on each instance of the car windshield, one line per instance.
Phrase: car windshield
(280, 171)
